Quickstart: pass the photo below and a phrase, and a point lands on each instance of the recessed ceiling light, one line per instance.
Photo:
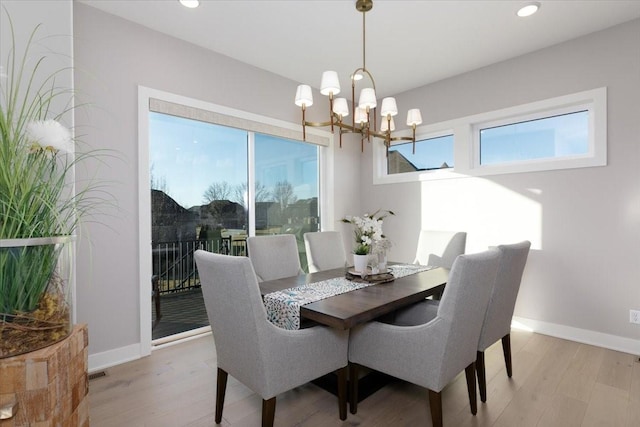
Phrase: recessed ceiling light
(528, 9)
(190, 3)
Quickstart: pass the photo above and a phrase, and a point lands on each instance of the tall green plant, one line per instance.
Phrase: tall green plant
(37, 184)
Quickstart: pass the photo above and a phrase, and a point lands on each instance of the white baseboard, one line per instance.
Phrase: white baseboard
(107, 359)
(613, 342)
(117, 356)
(180, 338)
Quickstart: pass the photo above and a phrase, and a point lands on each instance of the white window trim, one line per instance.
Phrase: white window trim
(321, 138)
(466, 140)
(380, 175)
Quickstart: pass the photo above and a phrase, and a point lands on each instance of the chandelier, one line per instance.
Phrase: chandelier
(364, 118)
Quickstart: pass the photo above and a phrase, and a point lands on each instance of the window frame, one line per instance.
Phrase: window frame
(421, 139)
(323, 139)
(380, 174)
(466, 132)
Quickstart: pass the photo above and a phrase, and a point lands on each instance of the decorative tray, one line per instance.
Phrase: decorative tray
(356, 276)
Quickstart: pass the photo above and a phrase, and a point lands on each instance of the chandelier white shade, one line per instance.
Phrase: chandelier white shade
(367, 98)
(387, 124)
(389, 107)
(361, 116)
(330, 84)
(340, 107)
(364, 112)
(304, 96)
(414, 117)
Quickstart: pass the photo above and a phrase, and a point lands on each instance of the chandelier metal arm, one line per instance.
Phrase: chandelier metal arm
(318, 124)
(363, 130)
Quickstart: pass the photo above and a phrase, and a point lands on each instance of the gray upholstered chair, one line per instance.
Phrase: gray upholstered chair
(432, 354)
(497, 321)
(325, 250)
(265, 358)
(440, 248)
(274, 257)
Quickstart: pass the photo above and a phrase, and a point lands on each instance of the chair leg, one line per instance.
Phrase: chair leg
(435, 403)
(220, 391)
(482, 379)
(342, 392)
(268, 412)
(506, 349)
(353, 387)
(470, 372)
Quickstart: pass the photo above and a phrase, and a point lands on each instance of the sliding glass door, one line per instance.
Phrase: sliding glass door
(211, 187)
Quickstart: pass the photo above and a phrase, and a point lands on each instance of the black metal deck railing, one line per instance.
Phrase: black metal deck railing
(174, 267)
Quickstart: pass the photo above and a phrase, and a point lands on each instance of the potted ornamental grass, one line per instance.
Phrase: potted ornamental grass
(40, 206)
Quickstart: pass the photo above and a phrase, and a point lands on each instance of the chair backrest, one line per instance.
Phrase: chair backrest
(461, 311)
(497, 321)
(236, 313)
(440, 248)
(325, 250)
(274, 257)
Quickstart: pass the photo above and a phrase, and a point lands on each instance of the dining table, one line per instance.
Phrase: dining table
(349, 309)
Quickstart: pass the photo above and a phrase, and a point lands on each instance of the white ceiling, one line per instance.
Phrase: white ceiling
(408, 43)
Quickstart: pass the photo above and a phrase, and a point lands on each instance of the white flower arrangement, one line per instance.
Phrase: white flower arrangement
(368, 232)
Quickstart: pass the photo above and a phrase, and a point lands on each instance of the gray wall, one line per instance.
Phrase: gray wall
(583, 273)
(53, 39)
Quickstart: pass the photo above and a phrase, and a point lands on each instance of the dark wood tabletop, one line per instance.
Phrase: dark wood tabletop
(347, 310)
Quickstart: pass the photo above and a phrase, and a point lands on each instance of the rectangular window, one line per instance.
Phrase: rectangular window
(559, 136)
(430, 154)
(566, 132)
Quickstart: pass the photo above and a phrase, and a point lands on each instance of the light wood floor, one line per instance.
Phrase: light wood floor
(555, 383)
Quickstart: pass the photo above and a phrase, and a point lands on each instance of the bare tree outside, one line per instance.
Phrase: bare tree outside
(262, 193)
(218, 191)
(283, 194)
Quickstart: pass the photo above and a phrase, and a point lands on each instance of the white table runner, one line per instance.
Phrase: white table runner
(283, 307)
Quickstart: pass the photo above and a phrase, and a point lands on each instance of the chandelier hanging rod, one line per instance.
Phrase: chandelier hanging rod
(365, 112)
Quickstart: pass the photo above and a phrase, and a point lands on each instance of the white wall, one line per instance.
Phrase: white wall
(53, 39)
(583, 273)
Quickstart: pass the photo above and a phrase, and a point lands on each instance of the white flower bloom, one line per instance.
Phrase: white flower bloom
(50, 134)
(368, 232)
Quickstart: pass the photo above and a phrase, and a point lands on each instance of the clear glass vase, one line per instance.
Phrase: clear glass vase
(382, 262)
(35, 293)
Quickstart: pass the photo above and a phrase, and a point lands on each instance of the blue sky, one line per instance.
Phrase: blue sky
(562, 135)
(189, 156)
(430, 154)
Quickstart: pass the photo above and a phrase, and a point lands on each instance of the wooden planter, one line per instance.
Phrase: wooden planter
(49, 385)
